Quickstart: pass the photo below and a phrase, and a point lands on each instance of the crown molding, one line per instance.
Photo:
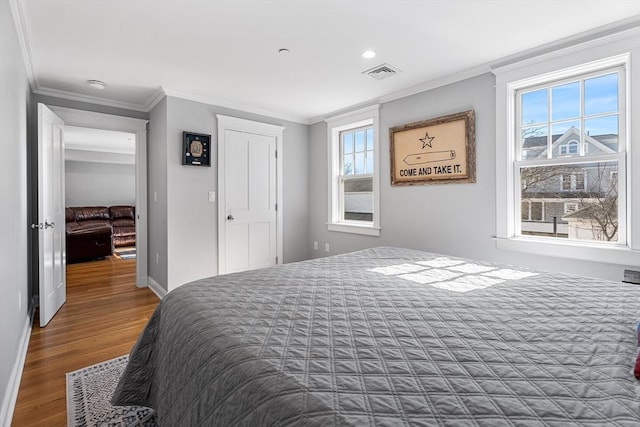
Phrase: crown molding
(235, 106)
(621, 30)
(154, 99)
(87, 98)
(24, 38)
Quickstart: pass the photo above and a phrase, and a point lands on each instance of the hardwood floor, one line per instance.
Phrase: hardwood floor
(101, 319)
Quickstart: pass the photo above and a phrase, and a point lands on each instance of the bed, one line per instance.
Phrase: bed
(390, 336)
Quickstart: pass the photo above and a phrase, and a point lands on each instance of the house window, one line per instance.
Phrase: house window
(552, 112)
(562, 129)
(572, 181)
(356, 174)
(353, 172)
(570, 207)
(569, 148)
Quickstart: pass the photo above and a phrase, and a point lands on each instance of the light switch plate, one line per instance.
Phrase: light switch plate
(212, 196)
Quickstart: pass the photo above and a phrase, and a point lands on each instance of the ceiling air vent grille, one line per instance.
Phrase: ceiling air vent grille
(381, 72)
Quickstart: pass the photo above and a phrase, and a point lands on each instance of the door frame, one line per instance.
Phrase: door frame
(90, 119)
(226, 123)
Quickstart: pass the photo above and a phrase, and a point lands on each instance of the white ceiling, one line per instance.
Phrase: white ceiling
(226, 52)
(106, 141)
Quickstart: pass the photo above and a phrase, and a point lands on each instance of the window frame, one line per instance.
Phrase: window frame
(616, 49)
(366, 117)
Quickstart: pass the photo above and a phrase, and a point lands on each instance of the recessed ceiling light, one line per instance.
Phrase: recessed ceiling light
(284, 50)
(368, 54)
(96, 84)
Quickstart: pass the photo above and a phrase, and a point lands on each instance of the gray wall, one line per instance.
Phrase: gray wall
(191, 226)
(157, 193)
(99, 184)
(180, 204)
(14, 287)
(455, 219)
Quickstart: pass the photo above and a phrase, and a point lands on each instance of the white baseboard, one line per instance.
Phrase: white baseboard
(11, 392)
(156, 288)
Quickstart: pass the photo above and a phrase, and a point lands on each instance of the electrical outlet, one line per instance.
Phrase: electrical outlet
(155, 196)
(326, 247)
(212, 196)
(157, 258)
(315, 246)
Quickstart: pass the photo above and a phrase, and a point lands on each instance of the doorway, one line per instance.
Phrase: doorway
(137, 129)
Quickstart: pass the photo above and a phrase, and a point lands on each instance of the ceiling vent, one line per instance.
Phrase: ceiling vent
(381, 72)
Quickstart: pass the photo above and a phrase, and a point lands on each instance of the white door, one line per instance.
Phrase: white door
(250, 201)
(51, 218)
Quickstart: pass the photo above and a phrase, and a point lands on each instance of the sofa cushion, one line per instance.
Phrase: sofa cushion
(69, 215)
(124, 231)
(91, 212)
(123, 222)
(89, 228)
(122, 212)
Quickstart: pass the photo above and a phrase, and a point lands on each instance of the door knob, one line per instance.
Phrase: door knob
(230, 217)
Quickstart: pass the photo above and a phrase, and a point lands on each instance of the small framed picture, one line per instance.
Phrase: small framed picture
(196, 149)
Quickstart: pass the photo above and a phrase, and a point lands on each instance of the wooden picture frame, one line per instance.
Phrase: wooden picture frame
(196, 149)
(434, 151)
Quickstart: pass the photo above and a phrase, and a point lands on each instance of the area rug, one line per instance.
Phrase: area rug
(89, 392)
(125, 253)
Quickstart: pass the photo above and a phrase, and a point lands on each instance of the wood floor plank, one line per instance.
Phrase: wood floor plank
(101, 319)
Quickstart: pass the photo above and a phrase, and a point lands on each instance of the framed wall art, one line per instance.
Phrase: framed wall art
(434, 151)
(196, 149)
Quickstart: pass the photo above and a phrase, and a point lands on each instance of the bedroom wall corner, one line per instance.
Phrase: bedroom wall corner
(192, 221)
(157, 195)
(453, 219)
(15, 303)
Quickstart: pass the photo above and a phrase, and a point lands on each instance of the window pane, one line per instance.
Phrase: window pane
(565, 101)
(603, 130)
(359, 137)
(347, 164)
(358, 199)
(369, 162)
(347, 142)
(369, 139)
(601, 94)
(564, 136)
(359, 163)
(534, 107)
(592, 191)
(534, 142)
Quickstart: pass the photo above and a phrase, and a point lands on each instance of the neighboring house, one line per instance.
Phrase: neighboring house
(552, 194)
(585, 224)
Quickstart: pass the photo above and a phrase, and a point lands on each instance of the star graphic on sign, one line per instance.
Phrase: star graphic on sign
(426, 141)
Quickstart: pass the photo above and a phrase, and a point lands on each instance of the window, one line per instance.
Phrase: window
(572, 181)
(353, 172)
(560, 111)
(570, 207)
(563, 136)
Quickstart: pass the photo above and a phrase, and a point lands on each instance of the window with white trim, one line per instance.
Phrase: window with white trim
(571, 112)
(353, 172)
(582, 93)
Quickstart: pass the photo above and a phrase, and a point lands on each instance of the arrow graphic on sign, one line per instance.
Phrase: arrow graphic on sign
(434, 156)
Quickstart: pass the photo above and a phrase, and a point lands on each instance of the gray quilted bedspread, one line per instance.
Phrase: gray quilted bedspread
(389, 336)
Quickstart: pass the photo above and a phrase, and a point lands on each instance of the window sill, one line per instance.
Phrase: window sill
(368, 230)
(609, 254)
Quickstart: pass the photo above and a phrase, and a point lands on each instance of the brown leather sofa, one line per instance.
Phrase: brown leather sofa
(93, 231)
